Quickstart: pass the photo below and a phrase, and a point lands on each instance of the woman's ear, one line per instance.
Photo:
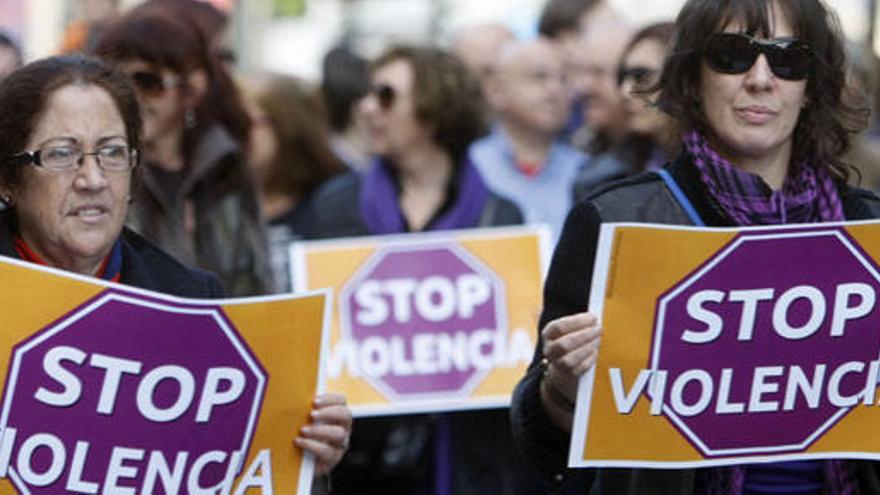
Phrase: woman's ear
(196, 87)
(6, 196)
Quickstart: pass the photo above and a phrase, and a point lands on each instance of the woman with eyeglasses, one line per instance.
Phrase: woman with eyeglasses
(637, 75)
(422, 113)
(70, 136)
(197, 199)
(651, 137)
(758, 86)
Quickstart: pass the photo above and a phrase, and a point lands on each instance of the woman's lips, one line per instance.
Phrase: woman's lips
(755, 115)
(89, 213)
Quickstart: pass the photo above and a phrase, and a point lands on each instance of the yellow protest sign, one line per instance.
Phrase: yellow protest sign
(428, 322)
(110, 388)
(728, 346)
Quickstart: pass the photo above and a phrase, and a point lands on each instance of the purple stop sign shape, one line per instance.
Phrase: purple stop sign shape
(129, 394)
(769, 343)
(426, 320)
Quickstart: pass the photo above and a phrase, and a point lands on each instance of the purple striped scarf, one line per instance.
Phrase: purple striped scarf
(807, 195)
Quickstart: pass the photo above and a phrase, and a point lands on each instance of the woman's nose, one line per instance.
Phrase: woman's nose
(760, 76)
(90, 175)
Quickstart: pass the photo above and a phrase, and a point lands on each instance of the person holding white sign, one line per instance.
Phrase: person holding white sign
(759, 88)
(70, 134)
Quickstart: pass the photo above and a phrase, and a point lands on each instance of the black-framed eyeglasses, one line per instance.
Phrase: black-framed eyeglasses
(385, 95)
(111, 158)
(152, 83)
(736, 53)
(642, 77)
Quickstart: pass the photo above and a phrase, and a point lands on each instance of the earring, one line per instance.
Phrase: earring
(6, 199)
(189, 118)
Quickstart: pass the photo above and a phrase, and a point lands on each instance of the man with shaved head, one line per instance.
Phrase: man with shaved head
(523, 158)
(478, 47)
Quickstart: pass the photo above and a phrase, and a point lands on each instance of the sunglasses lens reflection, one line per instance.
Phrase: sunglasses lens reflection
(148, 82)
(734, 53)
(385, 95)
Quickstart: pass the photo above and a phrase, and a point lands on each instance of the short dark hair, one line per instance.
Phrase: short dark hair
(831, 116)
(344, 83)
(563, 16)
(24, 93)
(446, 96)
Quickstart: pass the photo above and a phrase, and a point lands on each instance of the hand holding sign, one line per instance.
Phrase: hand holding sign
(327, 436)
(571, 344)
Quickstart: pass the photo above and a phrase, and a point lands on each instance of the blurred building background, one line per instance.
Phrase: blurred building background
(292, 35)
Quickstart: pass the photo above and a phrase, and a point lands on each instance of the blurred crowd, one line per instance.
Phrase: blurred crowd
(489, 130)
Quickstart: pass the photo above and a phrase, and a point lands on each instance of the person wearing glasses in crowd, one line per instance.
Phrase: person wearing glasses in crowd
(422, 113)
(651, 137)
(758, 86)
(70, 133)
(198, 198)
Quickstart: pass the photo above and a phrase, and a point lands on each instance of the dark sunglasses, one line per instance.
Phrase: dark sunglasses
(152, 83)
(384, 94)
(642, 77)
(736, 53)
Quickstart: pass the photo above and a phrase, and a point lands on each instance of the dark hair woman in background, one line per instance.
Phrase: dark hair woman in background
(198, 199)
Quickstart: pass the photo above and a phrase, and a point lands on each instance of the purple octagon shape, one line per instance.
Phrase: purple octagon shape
(430, 270)
(766, 261)
(163, 339)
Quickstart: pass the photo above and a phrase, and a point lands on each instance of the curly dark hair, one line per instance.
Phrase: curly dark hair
(832, 115)
(447, 97)
(23, 97)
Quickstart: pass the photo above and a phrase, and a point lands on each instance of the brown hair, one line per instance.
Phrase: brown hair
(563, 16)
(24, 93)
(824, 126)
(297, 119)
(447, 97)
(160, 38)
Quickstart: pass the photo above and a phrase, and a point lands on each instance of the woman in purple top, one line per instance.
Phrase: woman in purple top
(758, 86)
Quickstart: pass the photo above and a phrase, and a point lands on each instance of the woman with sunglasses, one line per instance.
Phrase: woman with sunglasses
(422, 113)
(758, 86)
(197, 198)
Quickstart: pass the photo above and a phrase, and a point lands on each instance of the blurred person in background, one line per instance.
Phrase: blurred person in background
(862, 79)
(198, 198)
(651, 138)
(566, 22)
(344, 84)
(10, 55)
(289, 152)
(94, 15)
(524, 158)
(480, 45)
(423, 112)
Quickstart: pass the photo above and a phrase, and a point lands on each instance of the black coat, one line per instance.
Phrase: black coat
(143, 265)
